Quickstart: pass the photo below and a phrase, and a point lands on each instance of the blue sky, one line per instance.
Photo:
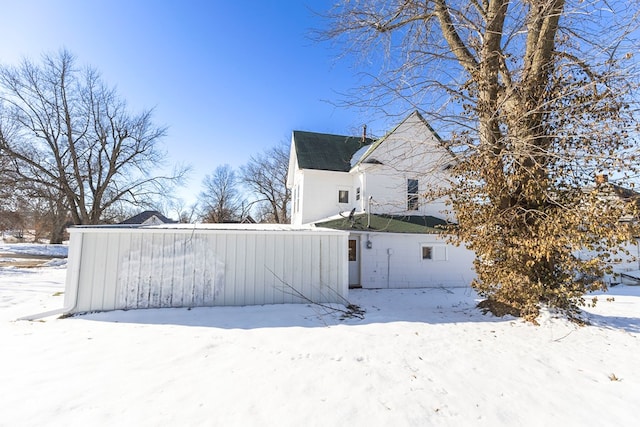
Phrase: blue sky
(229, 78)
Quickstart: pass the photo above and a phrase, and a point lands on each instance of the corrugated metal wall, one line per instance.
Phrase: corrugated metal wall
(126, 268)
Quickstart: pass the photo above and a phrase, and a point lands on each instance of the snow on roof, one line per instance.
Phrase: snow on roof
(204, 227)
(358, 155)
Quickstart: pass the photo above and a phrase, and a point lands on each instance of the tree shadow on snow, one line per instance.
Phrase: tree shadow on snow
(628, 320)
(432, 306)
(628, 324)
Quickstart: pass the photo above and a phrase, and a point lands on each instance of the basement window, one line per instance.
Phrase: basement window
(343, 196)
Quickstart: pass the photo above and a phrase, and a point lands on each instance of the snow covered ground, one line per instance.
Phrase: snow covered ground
(419, 357)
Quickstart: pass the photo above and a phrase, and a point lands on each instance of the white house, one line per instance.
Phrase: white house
(376, 191)
(360, 219)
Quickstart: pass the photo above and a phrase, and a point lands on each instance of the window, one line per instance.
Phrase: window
(343, 196)
(433, 252)
(293, 205)
(296, 199)
(353, 247)
(358, 193)
(427, 252)
(412, 194)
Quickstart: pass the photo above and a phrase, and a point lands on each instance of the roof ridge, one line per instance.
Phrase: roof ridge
(373, 147)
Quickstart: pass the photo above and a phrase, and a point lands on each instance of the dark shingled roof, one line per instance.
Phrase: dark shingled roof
(326, 152)
(144, 216)
(417, 224)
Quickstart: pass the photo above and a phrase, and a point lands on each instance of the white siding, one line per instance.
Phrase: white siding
(395, 261)
(319, 194)
(411, 151)
(125, 268)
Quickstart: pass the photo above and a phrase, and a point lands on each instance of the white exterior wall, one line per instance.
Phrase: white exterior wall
(153, 267)
(319, 194)
(395, 261)
(621, 263)
(411, 151)
(388, 189)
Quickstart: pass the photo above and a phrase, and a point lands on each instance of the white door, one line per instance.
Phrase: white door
(354, 261)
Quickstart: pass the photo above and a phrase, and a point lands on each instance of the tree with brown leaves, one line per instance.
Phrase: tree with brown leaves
(536, 98)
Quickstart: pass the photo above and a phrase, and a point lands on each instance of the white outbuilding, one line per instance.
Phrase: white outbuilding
(186, 265)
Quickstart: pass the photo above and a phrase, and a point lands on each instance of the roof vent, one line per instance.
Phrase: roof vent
(364, 134)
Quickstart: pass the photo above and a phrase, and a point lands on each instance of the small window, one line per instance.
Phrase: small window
(437, 252)
(353, 248)
(358, 193)
(293, 207)
(412, 194)
(427, 252)
(343, 196)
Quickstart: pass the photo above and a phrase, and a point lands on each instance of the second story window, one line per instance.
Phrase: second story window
(412, 194)
(343, 196)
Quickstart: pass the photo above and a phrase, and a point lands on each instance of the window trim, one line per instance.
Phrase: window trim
(439, 252)
(343, 192)
(413, 202)
(296, 198)
(430, 252)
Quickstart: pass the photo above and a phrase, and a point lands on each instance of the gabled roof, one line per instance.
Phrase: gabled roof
(415, 224)
(149, 218)
(366, 157)
(607, 188)
(625, 194)
(325, 151)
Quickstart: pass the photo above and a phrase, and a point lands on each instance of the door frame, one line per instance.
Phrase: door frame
(354, 253)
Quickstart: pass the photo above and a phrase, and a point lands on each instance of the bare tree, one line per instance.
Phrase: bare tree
(220, 200)
(177, 208)
(7, 188)
(265, 175)
(15, 206)
(536, 98)
(73, 139)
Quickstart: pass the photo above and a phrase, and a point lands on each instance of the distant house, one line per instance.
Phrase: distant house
(375, 190)
(626, 266)
(148, 218)
(616, 193)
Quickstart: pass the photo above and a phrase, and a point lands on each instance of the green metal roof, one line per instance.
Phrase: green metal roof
(325, 151)
(416, 224)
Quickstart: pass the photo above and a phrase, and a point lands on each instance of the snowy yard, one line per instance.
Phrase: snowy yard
(419, 357)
